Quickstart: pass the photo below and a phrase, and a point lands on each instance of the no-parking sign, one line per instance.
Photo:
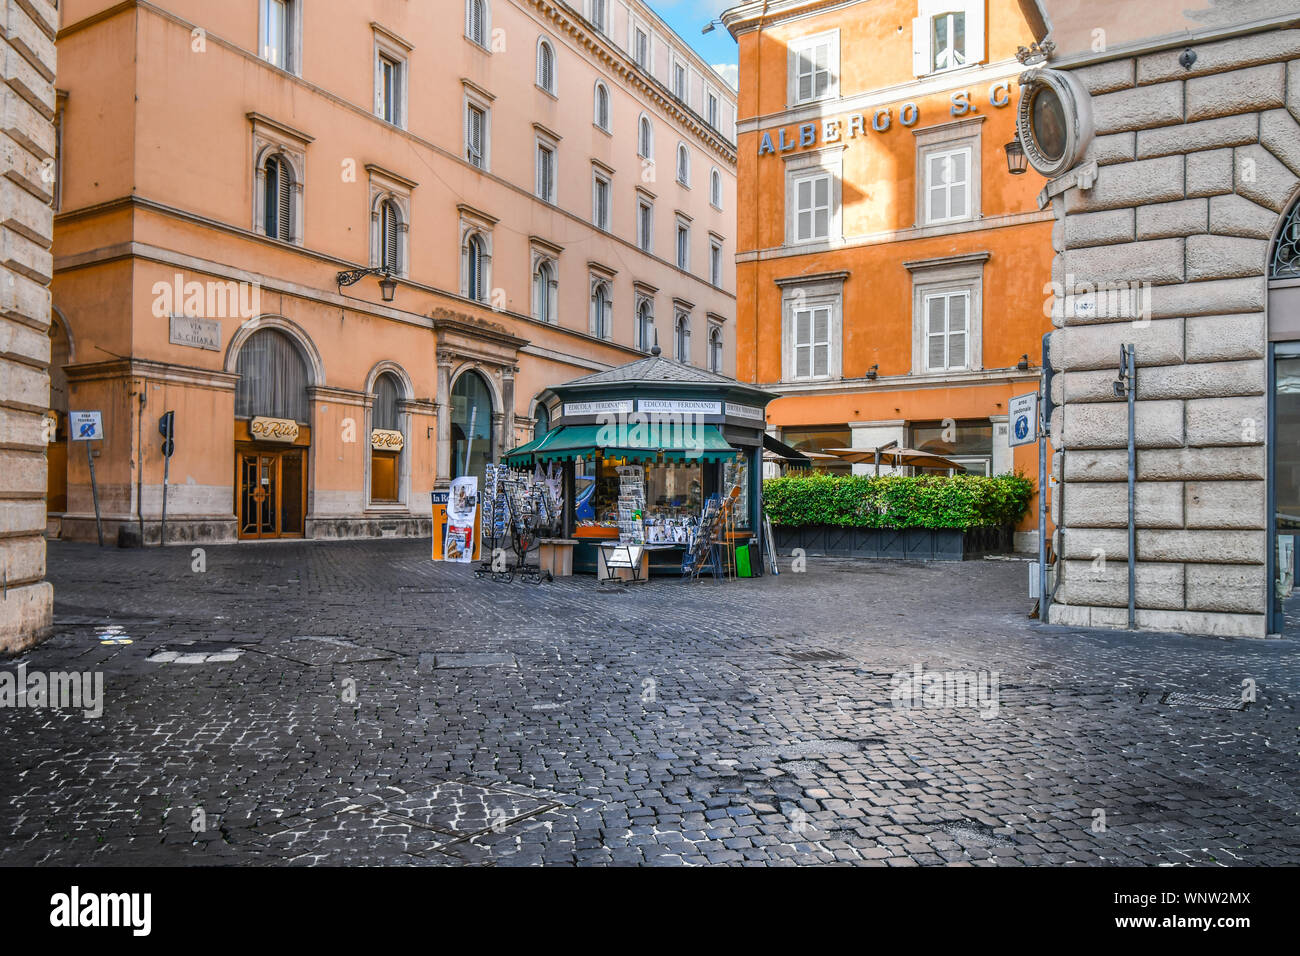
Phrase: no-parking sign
(1024, 419)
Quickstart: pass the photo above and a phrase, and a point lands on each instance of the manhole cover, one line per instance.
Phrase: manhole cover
(325, 651)
(1213, 701)
(186, 656)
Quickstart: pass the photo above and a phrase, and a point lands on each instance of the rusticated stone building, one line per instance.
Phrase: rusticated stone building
(1178, 170)
(27, 108)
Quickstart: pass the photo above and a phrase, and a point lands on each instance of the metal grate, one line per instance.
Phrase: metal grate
(807, 656)
(1214, 701)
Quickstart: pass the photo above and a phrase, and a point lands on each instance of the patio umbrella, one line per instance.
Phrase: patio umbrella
(896, 457)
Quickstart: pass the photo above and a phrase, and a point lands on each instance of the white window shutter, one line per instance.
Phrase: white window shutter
(921, 46)
(974, 31)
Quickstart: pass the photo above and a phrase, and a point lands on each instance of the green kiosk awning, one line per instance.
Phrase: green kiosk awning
(633, 442)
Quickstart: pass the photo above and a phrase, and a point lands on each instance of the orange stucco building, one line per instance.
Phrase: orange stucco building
(891, 271)
(342, 240)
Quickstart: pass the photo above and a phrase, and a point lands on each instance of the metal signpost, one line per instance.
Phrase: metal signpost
(88, 427)
(166, 428)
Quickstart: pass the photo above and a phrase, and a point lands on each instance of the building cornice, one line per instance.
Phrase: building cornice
(747, 17)
(897, 383)
(154, 371)
(1010, 220)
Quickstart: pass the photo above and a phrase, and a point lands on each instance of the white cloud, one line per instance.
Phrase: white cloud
(730, 72)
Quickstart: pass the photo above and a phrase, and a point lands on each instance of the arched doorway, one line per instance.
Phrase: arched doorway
(541, 421)
(1283, 502)
(272, 435)
(471, 403)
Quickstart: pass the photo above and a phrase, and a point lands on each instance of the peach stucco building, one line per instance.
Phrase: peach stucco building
(891, 271)
(544, 190)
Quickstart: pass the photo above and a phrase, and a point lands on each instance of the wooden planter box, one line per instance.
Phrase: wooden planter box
(910, 544)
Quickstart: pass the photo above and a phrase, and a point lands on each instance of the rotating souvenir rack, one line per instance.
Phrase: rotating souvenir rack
(522, 512)
(712, 538)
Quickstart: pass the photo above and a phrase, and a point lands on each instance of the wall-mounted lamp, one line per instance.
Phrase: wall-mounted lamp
(387, 284)
(873, 372)
(1017, 161)
(1023, 364)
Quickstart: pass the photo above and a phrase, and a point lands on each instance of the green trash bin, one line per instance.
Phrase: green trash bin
(742, 562)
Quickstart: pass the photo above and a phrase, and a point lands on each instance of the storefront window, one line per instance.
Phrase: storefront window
(471, 404)
(543, 422)
(272, 378)
(384, 458)
(969, 443)
(819, 439)
(1286, 474)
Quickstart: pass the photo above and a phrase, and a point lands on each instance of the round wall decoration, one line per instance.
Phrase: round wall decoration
(1054, 120)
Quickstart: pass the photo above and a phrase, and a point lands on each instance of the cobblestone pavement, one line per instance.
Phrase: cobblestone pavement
(751, 722)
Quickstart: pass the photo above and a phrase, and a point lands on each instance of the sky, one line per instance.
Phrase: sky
(688, 18)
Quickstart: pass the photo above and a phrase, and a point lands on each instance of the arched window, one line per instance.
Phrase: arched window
(474, 272)
(715, 349)
(683, 164)
(476, 21)
(1285, 263)
(471, 426)
(273, 378)
(545, 292)
(601, 117)
(390, 237)
(542, 423)
(602, 309)
(645, 323)
(645, 140)
(546, 67)
(385, 450)
(682, 337)
(715, 188)
(278, 199)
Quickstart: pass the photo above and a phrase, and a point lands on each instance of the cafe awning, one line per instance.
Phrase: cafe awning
(635, 442)
(784, 452)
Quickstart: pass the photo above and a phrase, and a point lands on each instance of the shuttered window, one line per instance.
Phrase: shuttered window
(475, 21)
(390, 242)
(948, 185)
(601, 117)
(645, 144)
(545, 292)
(812, 208)
(601, 311)
(279, 200)
(683, 164)
(715, 350)
(645, 226)
(600, 201)
(475, 129)
(682, 335)
(715, 188)
(545, 173)
(814, 70)
(645, 320)
(812, 342)
(947, 330)
(474, 269)
(546, 67)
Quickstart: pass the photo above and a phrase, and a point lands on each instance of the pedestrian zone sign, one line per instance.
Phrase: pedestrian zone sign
(86, 426)
(1024, 419)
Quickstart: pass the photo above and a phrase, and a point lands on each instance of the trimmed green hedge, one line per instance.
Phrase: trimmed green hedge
(897, 501)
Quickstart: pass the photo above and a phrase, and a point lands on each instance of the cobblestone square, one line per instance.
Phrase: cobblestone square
(354, 703)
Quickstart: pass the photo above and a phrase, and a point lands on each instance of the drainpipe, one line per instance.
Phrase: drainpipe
(1126, 387)
(139, 460)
